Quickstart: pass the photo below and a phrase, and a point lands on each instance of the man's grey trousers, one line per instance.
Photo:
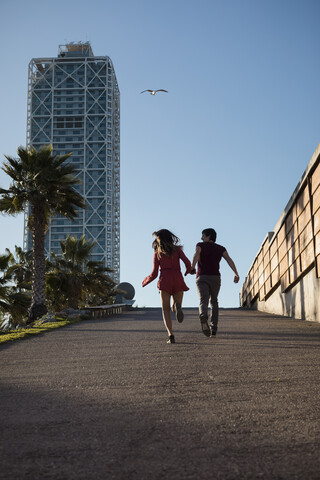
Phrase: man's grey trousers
(208, 288)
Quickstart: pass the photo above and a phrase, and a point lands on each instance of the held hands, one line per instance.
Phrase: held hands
(192, 271)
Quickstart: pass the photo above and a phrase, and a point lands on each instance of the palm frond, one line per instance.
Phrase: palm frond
(11, 205)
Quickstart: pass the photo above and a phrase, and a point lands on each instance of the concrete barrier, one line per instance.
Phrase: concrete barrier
(284, 278)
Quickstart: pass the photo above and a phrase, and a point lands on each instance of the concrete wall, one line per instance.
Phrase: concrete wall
(284, 278)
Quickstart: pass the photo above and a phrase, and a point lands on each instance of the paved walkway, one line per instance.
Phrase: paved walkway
(109, 399)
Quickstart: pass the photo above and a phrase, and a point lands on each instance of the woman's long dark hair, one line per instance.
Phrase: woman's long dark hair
(165, 243)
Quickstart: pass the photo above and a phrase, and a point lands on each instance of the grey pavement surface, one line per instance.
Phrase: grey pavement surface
(109, 399)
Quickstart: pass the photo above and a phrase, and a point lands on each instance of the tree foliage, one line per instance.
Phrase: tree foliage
(75, 281)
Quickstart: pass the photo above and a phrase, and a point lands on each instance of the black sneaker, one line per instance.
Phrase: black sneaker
(171, 339)
(205, 326)
(178, 312)
(213, 332)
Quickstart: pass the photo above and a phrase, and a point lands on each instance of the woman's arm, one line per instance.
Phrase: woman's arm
(154, 272)
(185, 260)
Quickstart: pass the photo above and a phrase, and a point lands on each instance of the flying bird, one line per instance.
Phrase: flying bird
(153, 92)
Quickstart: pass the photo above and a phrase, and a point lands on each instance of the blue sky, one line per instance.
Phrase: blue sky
(224, 148)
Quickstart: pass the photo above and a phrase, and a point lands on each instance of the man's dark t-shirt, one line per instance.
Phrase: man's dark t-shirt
(209, 260)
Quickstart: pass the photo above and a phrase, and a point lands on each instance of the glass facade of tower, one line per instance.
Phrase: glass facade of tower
(74, 104)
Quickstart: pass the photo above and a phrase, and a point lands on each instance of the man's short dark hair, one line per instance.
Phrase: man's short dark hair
(210, 232)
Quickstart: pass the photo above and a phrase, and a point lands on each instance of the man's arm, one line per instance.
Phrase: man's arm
(231, 264)
(195, 259)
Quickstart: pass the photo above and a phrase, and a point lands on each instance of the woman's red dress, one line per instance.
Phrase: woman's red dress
(171, 279)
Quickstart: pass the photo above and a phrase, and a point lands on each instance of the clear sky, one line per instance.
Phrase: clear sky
(227, 145)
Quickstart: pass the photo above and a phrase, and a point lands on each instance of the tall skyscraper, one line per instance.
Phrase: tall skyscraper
(74, 104)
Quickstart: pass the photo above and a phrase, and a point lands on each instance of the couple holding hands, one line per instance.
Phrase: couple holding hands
(208, 254)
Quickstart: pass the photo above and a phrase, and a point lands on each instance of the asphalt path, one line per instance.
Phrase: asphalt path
(110, 399)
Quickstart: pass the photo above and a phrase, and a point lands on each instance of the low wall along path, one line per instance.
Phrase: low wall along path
(285, 275)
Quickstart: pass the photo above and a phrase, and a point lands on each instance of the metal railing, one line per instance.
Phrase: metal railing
(107, 310)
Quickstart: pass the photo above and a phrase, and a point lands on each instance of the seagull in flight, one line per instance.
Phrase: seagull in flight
(153, 92)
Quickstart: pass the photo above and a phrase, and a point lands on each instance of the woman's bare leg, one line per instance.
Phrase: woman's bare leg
(177, 302)
(166, 312)
(177, 297)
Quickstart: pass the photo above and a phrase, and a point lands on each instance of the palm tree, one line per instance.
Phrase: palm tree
(20, 268)
(46, 183)
(75, 277)
(13, 302)
(4, 279)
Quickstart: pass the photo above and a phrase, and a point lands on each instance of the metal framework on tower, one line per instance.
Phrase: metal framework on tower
(74, 104)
